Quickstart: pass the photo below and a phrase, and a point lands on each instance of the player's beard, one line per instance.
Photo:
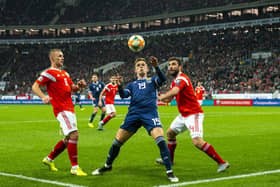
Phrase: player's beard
(173, 73)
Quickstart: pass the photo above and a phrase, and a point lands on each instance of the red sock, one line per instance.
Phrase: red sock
(59, 148)
(210, 151)
(172, 144)
(73, 151)
(106, 119)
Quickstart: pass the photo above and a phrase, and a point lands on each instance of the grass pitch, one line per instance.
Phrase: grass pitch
(247, 137)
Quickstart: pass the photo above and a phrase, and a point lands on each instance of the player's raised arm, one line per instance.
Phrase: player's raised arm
(154, 62)
(124, 93)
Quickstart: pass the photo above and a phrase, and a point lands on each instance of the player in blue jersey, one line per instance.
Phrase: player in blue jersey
(77, 100)
(142, 112)
(95, 89)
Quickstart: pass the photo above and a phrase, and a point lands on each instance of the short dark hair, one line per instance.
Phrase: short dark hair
(53, 50)
(140, 59)
(176, 59)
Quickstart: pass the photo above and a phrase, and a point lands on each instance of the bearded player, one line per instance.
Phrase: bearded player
(191, 115)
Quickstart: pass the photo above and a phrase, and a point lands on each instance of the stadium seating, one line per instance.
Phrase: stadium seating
(222, 60)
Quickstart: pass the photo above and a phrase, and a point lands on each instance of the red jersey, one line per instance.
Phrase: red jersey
(58, 83)
(199, 91)
(110, 93)
(186, 101)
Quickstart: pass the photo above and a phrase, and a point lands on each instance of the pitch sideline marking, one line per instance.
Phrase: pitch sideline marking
(40, 180)
(221, 178)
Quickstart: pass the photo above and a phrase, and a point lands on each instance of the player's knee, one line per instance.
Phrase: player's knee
(117, 143)
(171, 134)
(159, 139)
(74, 135)
(113, 114)
(198, 142)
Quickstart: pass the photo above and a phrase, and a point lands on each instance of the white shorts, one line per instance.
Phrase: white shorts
(200, 102)
(194, 123)
(68, 122)
(110, 108)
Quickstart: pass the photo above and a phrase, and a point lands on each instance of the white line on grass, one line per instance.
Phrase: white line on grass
(40, 180)
(220, 178)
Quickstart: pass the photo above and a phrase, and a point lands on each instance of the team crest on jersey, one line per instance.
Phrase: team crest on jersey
(40, 79)
(177, 82)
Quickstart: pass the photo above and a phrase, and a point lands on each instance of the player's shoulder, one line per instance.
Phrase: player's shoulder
(65, 72)
(50, 73)
(182, 77)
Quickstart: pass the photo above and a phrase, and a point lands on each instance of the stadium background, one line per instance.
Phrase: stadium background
(231, 46)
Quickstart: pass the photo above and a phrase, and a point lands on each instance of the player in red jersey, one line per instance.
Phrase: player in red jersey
(59, 87)
(199, 93)
(191, 115)
(110, 92)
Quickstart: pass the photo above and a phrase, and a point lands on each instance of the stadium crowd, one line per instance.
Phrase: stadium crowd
(106, 15)
(222, 59)
(20, 12)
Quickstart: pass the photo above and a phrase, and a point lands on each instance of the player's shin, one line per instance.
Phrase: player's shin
(210, 151)
(172, 144)
(113, 152)
(164, 152)
(102, 116)
(92, 117)
(107, 119)
(59, 148)
(73, 151)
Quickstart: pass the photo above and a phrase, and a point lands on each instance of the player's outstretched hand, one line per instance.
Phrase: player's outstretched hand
(153, 61)
(82, 83)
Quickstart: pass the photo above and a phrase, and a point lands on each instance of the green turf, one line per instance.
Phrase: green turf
(247, 137)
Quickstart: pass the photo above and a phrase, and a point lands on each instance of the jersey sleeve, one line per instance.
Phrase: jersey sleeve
(160, 78)
(124, 93)
(181, 82)
(89, 89)
(103, 85)
(44, 78)
(106, 88)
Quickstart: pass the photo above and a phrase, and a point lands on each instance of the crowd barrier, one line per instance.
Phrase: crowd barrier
(215, 102)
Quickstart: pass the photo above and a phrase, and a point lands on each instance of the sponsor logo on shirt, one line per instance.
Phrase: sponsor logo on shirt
(177, 82)
(40, 79)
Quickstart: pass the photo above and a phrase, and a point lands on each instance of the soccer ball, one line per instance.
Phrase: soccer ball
(136, 43)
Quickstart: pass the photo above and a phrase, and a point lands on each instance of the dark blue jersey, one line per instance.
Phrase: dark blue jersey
(143, 93)
(77, 94)
(96, 88)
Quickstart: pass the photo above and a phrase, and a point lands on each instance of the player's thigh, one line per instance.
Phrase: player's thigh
(131, 123)
(123, 135)
(151, 121)
(195, 124)
(110, 108)
(178, 124)
(68, 122)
